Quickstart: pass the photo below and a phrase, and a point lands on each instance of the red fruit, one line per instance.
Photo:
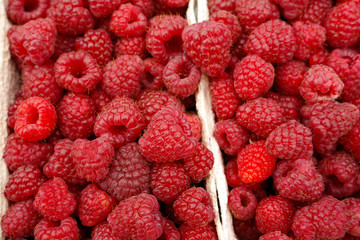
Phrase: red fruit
(195, 124)
(131, 46)
(21, 11)
(153, 74)
(170, 231)
(207, 232)
(315, 12)
(65, 229)
(288, 77)
(146, 6)
(103, 231)
(353, 210)
(176, 3)
(218, 5)
(230, 20)
(277, 235)
(319, 56)
(63, 44)
(101, 8)
(291, 9)
(351, 141)
(242, 203)
(233, 177)
(100, 98)
(246, 230)
(290, 105)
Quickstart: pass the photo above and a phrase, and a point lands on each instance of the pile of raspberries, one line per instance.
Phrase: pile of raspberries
(104, 138)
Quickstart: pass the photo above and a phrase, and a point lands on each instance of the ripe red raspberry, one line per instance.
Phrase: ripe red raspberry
(129, 173)
(288, 77)
(76, 115)
(342, 25)
(126, 222)
(131, 46)
(146, 6)
(319, 56)
(207, 232)
(340, 172)
(277, 235)
(261, 116)
(353, 209)
(63, 44)
(65, 229)
(292, 9)
(102, 9)
(324, 219)
(230, 20)
(168, 137)
(242, 203)
(35, 119)
(100, 98)
(21, 11)
(124, 128)
(103, 231)
(20, 219)
(274, 41)
(19, 152)
(153, 74)
(233, 178)
(54, 201)
(181, 77)
(253, 77)
(77, 71)
(290, 105)
(195, 123)
(98, 43)
(255, 164)
(298, 180)
(246, 230)
(218, 5)
(351, 141)
(122, 76)
(170, 231)
(315, 12)
(194, 207)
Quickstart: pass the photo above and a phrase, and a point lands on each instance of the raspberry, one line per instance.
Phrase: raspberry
(98, 43)
(292, 9)
(20, 219)
(160, 8)
(103, 231)
(131, 46)
(196, 126)
(353, 210)
(309, 37)
(238, 47)
(261, 116)
(76, 115)
(298, 180)
(63, 44)
(39, 81)
(137, 217)
(22, 12)
(208, 44)
(153, 74)
(170, 231)
(351, 141)
(54, 201)
(253, 77)
(129, 173)
(319, 56)
(290, 105)
(277, 235)
(207, 232)
(224, 98)
(340, 171)
(35, 119)
(175, 3)
(168, 180)
(252, 13)
(315, 12)
(255, 164)
(19, 152)
(274, 213)
(102, 9)
(230, 20)
(121, 77)
(181, 77)
(100, 98)
(233, 177)
(274, 41)
(324, 219)
(124, 128)
(168, 137)
(92, 158)
(65, 229)
(146, 6)
(19, 98)
(23, 183)
(246, 230)
(194, 207)
(218, 5)
(342, 25)
(288, 77)
(77, 71)
(242, 203)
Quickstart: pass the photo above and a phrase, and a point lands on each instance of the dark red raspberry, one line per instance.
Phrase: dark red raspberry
(353, 211)
(70, 17)
(298, 180)
(122, 77)
(233, 177)
(290, 105)
(261, 116)
(100, 98)
(340, 172)
(77, 71)
(194, 207)
(315, 12)
(65, 229)
(153, 74)
(175, 3)
(129, 173)
(170, 231)
(126, 222)
(168, 137)
(207, 232)
(146, 6)
(288, 77)
(274, 41)
(181, 77)
(277, 235)
(255, 164)
(246, 230)
(342, 25)
(19, 98)
(23, 183)
(103, 231)
(63, 44)
(124, 128)
(208, 46)
(23, 11)
(102, 9)
(253, 77)
(218, 5)
(319, 56)
(238, 47)
(35, 119)
(324, 219)
(292, 9)
(160, 8)
(54, 201)
(92, 158)
(76, 115)
(230, 20)
(98, 43)
(195, 123)
(34, 41)
(20, 219)
(242, 203)
(351, 141)
(131, 46)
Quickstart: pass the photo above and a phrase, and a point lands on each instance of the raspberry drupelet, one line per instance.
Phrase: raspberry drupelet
(242, 203)
(63, 44)
(103, 231)
(217, 5)
(66, 228)
(100, 98)
(23, 11)
(131, 46)
(351, 141)
(353, 209)
(290, 105)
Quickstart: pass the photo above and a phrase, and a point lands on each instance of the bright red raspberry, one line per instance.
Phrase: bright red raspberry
(146, 6)
(103, 231)
(351, 141)
(298, 180)
(319, 56)
(324, 219)
(65, 229)
(54, 201)
(274, 41)
(353, 211)
(246, 230)
(137, 217)
(100, 98)
(277, 235)
(102, 9)
(218, 5)
(315, 12)
(290, 105)
(255, 164)
(242, 203)
(195, 123)
(131, 46)
(35, 119)
(20, 219)
(233, 177)
(292, 9)
(76, 115)
(153, 74)
(170, 231)
(63, 44)
(261, 116)
(77, 71)
(23, 11)
(342, 25)
(124, 128)
(230, 20)
(207, 232)
(122, 76)
(288, 77)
